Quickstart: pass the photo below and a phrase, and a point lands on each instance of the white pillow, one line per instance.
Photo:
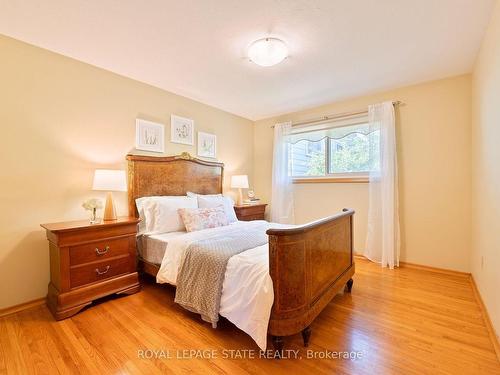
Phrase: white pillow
(207, 201)
(139, 203)
(159, 214)
(191, 194)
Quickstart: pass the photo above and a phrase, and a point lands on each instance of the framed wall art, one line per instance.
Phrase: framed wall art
(149, 136)
(181, 130)
(207, 145)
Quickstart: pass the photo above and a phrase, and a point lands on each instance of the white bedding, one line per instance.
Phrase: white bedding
(152, 247)
(247, 291)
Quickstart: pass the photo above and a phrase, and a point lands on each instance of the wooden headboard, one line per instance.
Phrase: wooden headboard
(171, 175)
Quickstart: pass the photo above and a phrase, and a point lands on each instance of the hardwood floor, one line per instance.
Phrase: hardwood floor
(406, 321)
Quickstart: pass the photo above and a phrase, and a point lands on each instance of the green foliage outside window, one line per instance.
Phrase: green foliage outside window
(316, 164)
(348, 154)
(352, 155)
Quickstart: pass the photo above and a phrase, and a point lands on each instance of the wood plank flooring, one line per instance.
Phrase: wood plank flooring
(405, 321)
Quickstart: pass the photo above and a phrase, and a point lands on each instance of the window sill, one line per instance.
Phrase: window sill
(337, 180)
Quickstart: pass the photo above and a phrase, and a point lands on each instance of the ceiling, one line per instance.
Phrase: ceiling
(197, 48)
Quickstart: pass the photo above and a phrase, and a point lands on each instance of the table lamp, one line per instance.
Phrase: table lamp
(109, 180)
(239, 182)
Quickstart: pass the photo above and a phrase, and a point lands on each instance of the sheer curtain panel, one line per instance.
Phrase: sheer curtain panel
(282, 188)
(383, 238)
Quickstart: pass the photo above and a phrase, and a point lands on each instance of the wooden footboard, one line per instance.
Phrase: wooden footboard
(308, 264)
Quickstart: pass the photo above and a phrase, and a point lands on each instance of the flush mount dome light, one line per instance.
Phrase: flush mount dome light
(267, 51)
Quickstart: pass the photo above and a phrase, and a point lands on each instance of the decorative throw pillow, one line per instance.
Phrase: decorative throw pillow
(203, 218)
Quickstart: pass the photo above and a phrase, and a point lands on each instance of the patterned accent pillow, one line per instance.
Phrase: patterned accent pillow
(203, 218)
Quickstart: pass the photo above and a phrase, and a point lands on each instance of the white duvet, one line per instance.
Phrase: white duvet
(247, 291)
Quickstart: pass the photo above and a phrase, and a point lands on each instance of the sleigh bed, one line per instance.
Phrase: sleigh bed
(308, 264)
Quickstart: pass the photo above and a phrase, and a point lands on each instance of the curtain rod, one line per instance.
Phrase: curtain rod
(338, 115)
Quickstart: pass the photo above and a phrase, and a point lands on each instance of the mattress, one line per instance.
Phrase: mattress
(152, 248)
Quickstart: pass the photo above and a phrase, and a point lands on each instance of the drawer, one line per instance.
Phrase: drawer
(252, 217)
(98, 271)
(251, 210)
(100, 250)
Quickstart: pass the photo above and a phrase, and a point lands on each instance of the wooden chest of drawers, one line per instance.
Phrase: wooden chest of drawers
(250, 212)
(89, 262)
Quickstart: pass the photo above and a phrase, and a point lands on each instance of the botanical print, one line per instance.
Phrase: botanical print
(149, 136)
(181, 130)
(207, 145)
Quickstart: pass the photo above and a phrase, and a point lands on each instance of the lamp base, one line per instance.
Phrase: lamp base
(109, 209)
(240, 197)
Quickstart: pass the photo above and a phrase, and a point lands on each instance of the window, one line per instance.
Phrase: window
(308, 158)
(333, 150)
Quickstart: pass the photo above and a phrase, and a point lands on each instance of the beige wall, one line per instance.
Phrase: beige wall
(485, 260)
(433, 130)
(61, 119)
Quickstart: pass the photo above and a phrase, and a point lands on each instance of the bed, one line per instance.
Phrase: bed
(300, 269)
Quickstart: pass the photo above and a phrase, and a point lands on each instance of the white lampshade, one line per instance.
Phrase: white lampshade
(239, 181)
(267, 51)
(109, 180)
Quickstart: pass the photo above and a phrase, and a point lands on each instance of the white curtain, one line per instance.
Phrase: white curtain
(282, 188)
(383, 241)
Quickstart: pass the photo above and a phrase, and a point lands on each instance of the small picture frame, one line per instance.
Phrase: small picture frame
(207, 145)
(181, 130)
(149, 136)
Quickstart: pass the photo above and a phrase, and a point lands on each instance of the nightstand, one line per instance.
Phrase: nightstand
(90, 261)
(250, 212)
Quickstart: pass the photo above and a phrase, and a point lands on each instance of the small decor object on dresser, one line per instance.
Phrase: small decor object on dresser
(181, 130)
(252, 199)
(88, 262)
(207, 145)
(149, 136)
(92, 205)
(250, 212)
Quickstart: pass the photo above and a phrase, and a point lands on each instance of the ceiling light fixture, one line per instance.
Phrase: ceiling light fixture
(267, 51)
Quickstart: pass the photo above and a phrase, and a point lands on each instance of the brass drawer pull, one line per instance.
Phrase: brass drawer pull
(99, 252)
(102, 272)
